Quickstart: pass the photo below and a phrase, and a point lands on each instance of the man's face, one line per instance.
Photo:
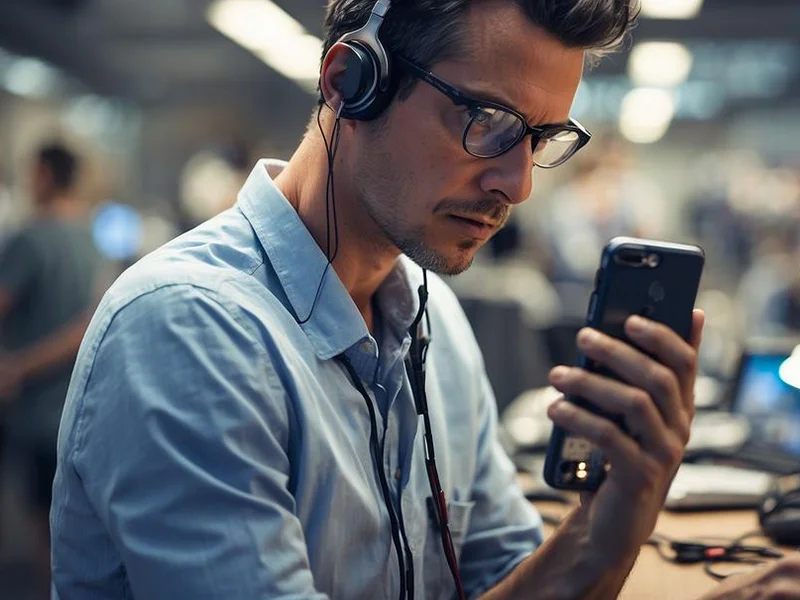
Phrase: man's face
(426, 194)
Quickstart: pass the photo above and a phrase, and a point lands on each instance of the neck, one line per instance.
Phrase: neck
(364, 258)
(61, 206)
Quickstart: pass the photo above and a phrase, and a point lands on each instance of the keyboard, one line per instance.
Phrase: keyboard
(709, 487)
(749, 456)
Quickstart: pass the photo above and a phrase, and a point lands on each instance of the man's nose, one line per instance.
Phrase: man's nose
(511, 174)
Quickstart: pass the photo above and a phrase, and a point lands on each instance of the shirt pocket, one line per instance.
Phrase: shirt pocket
(438, 584)
(458, 514)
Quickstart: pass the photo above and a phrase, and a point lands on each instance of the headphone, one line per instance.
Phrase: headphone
(366, 85)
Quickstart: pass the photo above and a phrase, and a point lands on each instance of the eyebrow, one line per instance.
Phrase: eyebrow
(487, 96)
(479, 94)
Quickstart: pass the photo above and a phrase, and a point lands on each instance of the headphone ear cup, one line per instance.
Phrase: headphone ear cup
(379, 102)
(358, 75)
(359, 84)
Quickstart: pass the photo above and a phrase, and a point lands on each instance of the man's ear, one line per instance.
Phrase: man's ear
(336, 82)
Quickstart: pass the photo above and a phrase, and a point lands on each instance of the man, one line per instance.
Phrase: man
(241, 422)
(48, 273)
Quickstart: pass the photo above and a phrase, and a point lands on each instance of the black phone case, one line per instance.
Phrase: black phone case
(665, 293)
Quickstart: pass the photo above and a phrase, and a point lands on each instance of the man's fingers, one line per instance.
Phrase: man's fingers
(635, 405)
(698, 323)
(638, 370)
(617, 447)
(670, 350)
(664, 344)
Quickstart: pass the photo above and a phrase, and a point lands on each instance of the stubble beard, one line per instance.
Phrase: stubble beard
(397, 232)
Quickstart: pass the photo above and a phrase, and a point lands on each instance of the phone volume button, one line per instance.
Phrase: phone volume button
(597, 278)
(592, 306)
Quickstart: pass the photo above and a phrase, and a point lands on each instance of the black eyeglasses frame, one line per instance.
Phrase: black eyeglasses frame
(475, 106)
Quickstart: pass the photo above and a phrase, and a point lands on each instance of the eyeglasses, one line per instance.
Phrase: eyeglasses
(494, 129)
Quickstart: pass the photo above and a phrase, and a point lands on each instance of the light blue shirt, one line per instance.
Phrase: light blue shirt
(212, 447)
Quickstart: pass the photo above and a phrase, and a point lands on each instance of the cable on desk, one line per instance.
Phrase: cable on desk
(695, 551)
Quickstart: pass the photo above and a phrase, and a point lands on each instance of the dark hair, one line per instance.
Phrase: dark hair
(430, 31)
(62, 163)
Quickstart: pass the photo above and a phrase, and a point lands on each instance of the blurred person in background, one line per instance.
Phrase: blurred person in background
(6, 208)
(719, 227)
(606, 197)
(48, 286)
(767, 289)
(783, 310)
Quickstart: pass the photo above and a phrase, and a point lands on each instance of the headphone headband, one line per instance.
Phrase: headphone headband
(368, 35)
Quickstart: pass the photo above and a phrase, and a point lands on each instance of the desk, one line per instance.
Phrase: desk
(655, 579)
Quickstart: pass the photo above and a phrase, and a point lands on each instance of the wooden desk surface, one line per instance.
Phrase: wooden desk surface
(655, 579)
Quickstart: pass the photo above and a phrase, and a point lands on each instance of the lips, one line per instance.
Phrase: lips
(477, 227)
(479, 219)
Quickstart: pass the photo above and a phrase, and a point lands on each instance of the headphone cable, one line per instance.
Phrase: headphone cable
(330, 202)
(331, 148)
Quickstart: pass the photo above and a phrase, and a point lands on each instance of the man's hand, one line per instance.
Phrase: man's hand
(778, 581)
(656, 400)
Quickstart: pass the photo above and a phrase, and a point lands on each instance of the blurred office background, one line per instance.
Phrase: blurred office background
(170, 102)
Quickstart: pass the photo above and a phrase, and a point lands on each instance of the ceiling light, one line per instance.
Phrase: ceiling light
(646, 114)
(31, 77)
(671, 9)
(659, 64)
(274, 36)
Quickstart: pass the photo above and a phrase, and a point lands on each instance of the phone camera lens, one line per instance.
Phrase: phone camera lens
(652, 260)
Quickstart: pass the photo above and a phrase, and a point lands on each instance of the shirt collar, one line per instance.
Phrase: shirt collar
(335, 324)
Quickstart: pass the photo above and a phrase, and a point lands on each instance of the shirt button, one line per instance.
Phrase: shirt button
(398, 474)
(366, 347)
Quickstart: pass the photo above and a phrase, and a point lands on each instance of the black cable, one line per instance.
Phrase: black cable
(415, 364)
(762, 551)
(377, 455)
(331, 148)
(749, 534)
(709, 569)
(409, 555)
(730, 551)
(427, 315)
(402, 549)
(330, 203)
(696, 551)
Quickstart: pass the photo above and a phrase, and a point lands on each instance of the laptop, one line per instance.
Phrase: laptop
(765, 398)
(735, 454)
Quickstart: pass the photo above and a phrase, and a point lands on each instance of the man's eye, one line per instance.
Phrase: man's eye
(482, 117)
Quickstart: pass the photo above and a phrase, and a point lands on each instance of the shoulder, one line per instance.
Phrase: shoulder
(213, 274)
(187, 340)
(25, 237)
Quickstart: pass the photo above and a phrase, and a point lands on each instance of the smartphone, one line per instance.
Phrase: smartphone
(658, 280)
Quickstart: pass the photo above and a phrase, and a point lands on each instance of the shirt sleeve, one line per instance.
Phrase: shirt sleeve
(184, 453)
(504, 527)
(18, 264)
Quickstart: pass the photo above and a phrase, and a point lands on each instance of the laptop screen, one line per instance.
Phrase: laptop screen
(768, 394)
